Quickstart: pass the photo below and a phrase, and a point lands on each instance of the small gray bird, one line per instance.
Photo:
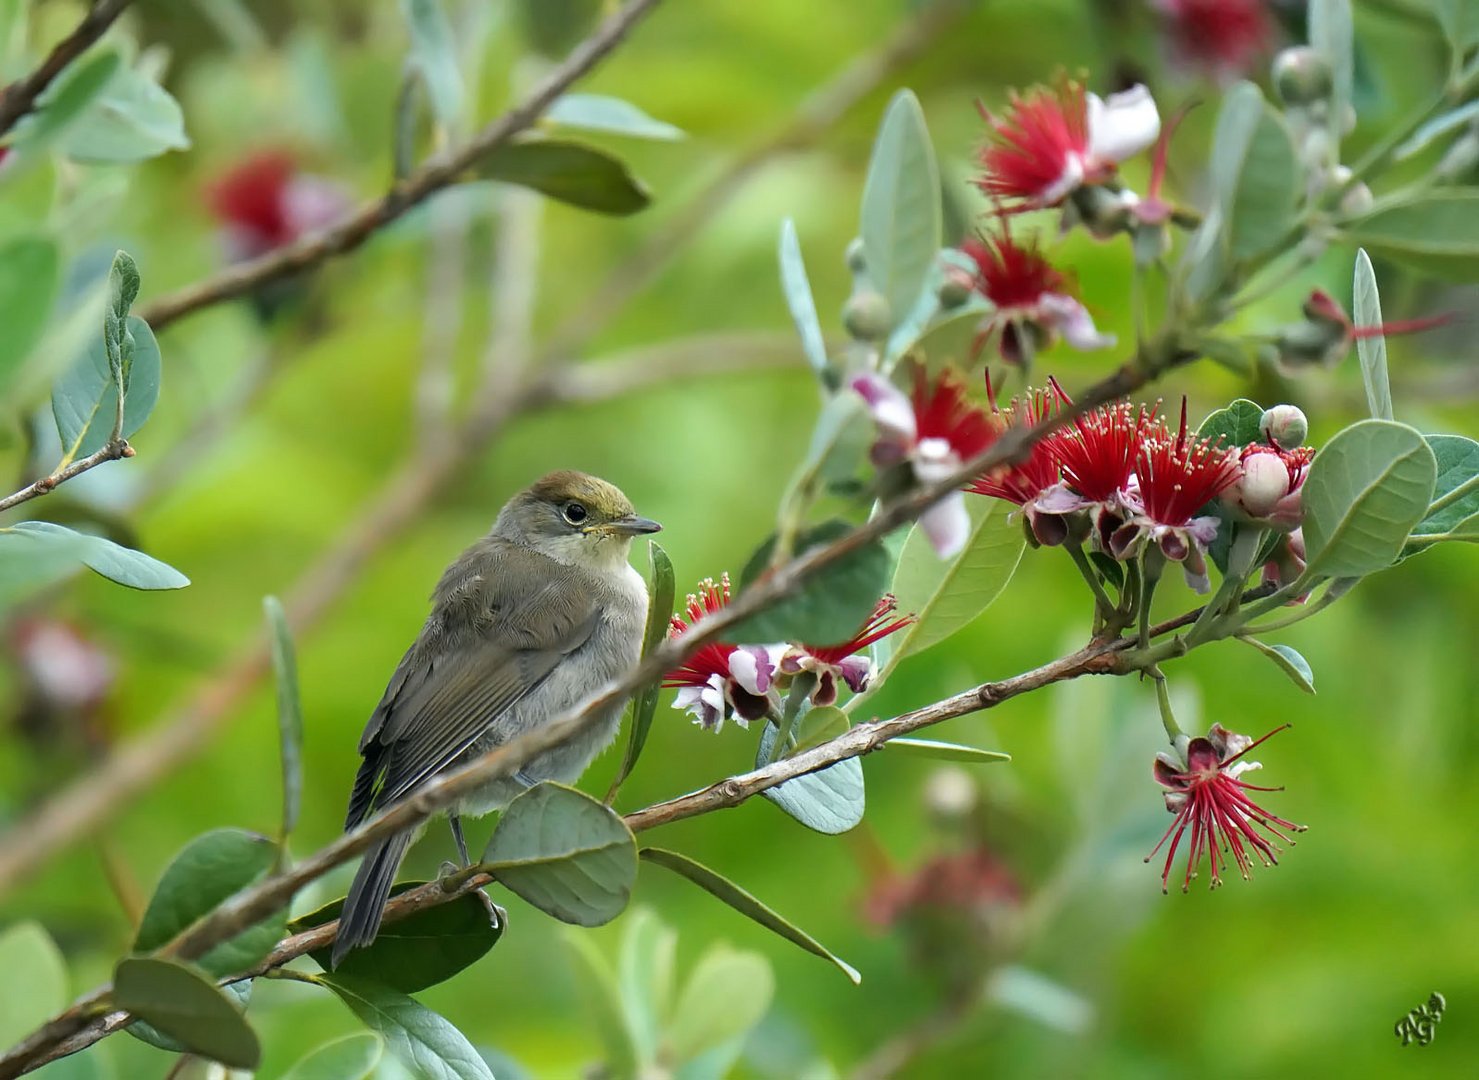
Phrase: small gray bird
(525, 624)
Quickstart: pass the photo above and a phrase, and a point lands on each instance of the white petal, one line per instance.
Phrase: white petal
(934, 460)
(1068, 181)
(1072, 320)
(891, 409)
(1123, 125)
(947, 524)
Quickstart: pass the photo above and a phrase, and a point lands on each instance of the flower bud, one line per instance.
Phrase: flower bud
(855, 261)
(1285, 426)
(1265, 480)
(1103, 212)
(1302, 76)
(956, 286)
(866, 315)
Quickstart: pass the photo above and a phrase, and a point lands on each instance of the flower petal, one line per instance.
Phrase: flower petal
(1122, 125)
(947, 524)
(753, 667)
(1072, 320)
(890, 408)
(857, 672)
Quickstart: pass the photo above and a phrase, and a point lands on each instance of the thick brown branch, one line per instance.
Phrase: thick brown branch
(439, 172)
(17, 99)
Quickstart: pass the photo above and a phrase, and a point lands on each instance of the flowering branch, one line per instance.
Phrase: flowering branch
(20, 96)
(441, 171)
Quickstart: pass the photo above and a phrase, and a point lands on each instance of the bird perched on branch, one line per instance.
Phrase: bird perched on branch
(525, 624)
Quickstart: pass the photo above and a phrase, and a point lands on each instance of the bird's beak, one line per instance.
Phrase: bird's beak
(632, 525)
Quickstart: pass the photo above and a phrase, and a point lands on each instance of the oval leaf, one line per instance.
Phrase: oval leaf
(830, 801)
(114, 561)
(566, 853)
(1366, 309)
(946, 596)
(434, 56)
(423, 949)
(85, 398)
(602, 995)
(133, 119)
(289, 710)
(611, 115)
(802, 305)
(186, 1006)
(68, 98)
(570, 172)
(1366, 490)
(29, 278)
(830, 605)
(1255, 172)
(746, 904)
(725, 996)
(1289, 662)
(353, 1057)
(946, 751)
(420, 1039)
(661, 592)
(645, 976)
(1437, 233)
(1239, 424)
(901, 213)
(818, 725)
(33, 980)
(1332, 34)
(1458, 463)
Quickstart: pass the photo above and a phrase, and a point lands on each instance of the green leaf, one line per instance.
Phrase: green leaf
(566, 853)
(645, 976)
(30, 274)
(85, 398)
(1239, 424)
(68, 98)
(901, 214)
(830, 801)
(1458, 463)
(1460, 22)
(599, 990)
(113, 561)
(353, 1057)
(570, 172)
(946, 751)
(185, 1005)
(133, 119)
(660, 596)
(1288, 661)
(725, 996)
(1366, 490)
(801, 304)
(434, 55)
(239, 992)
(420, 950)
(818, 725)
(289, 710)
(1437, 127)
(1332, 33)
(610, 115)
(948, 595)
(209, 869)
(830, 605)
(1254, 171)
(421, 1040)
(554, 27)
(746, 904)
(1366, 307)
(33, 980)
(1436, 233)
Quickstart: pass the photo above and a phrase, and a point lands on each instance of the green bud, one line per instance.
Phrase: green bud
(1285, 426)
(1302, 76)
(866, 315)
(956, 287)
(855, 261)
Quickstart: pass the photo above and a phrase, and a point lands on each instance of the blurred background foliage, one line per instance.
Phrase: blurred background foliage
(1037, 883)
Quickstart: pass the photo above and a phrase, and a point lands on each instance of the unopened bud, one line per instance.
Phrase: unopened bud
(956, 286)
(866, 315)
(950, 794)
(1357, 201)
(1302, 76)
(1285, 426)
(1265, 480)
(855, 260)
(1103, 212)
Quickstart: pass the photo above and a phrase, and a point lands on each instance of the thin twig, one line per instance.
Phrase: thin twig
(439, 172)
(17, 99)
(112, 450)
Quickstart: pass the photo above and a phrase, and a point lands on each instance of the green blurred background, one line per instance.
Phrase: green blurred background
(1092, 971)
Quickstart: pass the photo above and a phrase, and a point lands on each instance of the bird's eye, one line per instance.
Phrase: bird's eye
(575, 513)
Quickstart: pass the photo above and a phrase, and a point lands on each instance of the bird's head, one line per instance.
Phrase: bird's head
(575, 518)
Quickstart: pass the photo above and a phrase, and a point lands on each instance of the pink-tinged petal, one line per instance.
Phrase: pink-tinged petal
(1202, 757)
(857, 672)
(890, 408)
(1203, 529)
(1122, 125)
(1072, 320)
(1227, 743)
(1059, 499)
(754, 667)
(1049, 530)
(1169, 772)
(311, 203)
(1173, 544)
(1126, 540)
(947, 524)
(826, 690)
(706, 703)
(1194, 567)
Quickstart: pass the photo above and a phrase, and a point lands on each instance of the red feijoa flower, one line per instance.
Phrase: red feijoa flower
(841, 661)
(711, 658)
(1037, 150)
(1012, 275)
(1099, 450)
(252, 197)
(1226, 37)
(1024, 481)
(1207, 797)
(1180, 475)
(720, 679)
(943, 410)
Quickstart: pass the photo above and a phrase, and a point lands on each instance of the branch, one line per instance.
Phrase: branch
(80, 1026)
(19, 97)
(437, 173)
(116, 447)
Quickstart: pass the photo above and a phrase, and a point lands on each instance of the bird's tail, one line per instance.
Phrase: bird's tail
(360, 920)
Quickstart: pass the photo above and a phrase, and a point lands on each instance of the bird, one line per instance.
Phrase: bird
(525, 624)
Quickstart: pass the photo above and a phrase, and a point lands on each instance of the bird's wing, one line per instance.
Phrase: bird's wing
(490, 651)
